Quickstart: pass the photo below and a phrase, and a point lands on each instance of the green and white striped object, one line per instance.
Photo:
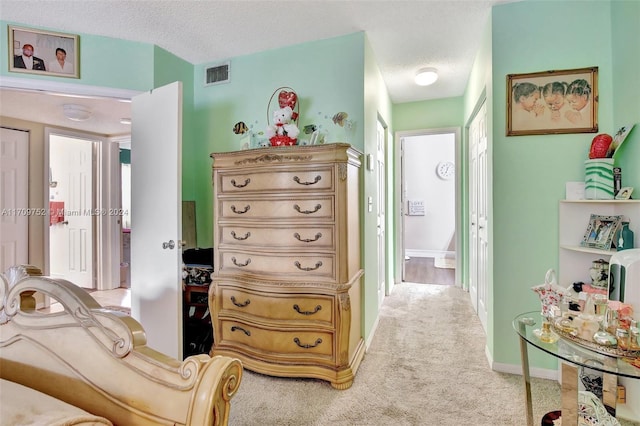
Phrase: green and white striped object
(598, 179)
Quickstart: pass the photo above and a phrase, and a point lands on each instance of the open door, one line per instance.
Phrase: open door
(156, 203)
(71, 190)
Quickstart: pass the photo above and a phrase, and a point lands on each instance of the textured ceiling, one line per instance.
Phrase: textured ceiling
(404, 35)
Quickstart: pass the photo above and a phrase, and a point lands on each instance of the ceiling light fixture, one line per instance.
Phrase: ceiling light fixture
(426, 76)
(76, 112)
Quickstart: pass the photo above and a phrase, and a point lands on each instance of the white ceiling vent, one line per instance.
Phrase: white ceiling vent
(217, 74)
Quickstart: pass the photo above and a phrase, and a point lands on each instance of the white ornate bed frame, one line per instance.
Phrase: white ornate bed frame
(97, 359)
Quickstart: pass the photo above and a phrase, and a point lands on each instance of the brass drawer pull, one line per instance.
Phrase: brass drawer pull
(240, 185)
(307, 240)
(297, 180)
(236, 328)
(239, 305)
(241, 265)
(310, 268)
(247, 235)
(297, 309)
(307, 346)
(297, 207)
(246, 209)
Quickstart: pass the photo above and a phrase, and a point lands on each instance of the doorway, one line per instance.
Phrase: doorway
(83, 199)
(429, 205)
(72, 209)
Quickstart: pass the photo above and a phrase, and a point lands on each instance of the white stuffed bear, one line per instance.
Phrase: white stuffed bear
(281, 124)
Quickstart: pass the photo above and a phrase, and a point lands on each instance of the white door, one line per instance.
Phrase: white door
(71, 241)
(403, 191)
(473, 214)
(156, 231)
(382, 200)
(14, 184)
(478, 206)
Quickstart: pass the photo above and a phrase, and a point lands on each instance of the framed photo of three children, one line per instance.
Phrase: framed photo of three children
(552, 102)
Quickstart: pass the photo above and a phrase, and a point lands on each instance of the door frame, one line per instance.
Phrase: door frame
(399, 197)
(381, 158)
(105, 190)
(108, 237)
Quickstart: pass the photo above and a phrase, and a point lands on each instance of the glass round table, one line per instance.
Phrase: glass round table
(574, 356)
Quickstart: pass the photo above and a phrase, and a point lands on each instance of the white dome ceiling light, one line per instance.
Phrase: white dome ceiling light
(76, 112)
(426, 76)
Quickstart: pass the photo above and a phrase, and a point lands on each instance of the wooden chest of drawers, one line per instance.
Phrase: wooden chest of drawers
(286, 291)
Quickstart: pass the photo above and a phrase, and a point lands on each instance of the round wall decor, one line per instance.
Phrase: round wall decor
(445, 170)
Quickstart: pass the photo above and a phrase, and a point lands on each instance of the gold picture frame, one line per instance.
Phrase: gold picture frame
(553, 102)
(41, 52)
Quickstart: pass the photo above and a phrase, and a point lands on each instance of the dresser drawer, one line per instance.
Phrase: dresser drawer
(314, 308)
(299, 266)
(293, 343)
(233, 182)
(320, 237)
(317, 208)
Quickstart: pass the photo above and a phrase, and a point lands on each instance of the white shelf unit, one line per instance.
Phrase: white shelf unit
(574, 261)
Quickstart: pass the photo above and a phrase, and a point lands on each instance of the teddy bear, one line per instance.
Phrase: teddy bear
(282, 125)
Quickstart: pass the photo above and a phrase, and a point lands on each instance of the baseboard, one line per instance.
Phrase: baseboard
(369, 339)
(429, 253)
(540, 373)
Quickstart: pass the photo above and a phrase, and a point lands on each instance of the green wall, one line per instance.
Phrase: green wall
(529, 172)
(431, 114)
(326, 75)
(105, 62)
(169, 68)
(377, 106)
(626, 88)
(329, 76)
(340, 74)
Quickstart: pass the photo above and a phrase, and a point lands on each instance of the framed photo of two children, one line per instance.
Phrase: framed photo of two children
(552, 102)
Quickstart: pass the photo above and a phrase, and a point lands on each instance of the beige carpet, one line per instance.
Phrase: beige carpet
(419, 370)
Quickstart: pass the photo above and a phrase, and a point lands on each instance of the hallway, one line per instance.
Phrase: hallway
(421, 270)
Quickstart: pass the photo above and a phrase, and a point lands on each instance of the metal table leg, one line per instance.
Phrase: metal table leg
(524, 359)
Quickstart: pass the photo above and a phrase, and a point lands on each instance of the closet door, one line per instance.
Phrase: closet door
(14, 182)
(478, 205)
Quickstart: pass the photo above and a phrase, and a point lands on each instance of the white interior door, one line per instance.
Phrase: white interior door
(381, 211)
(14, 184)
(473, 214)
(71, 241)
(156, 209)
(478, 207)
(402, 212)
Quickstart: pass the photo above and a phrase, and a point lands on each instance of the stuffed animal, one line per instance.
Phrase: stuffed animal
(282, 125)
